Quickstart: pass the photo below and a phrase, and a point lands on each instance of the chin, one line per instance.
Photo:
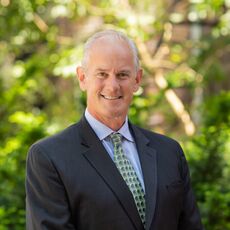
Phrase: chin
(113, 114)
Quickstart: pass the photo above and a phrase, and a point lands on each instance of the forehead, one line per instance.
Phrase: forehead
(110, 43)
(109, 49)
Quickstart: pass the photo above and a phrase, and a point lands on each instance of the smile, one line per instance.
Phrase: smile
(111, 98)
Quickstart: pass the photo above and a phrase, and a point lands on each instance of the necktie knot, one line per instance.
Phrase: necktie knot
(116, 139)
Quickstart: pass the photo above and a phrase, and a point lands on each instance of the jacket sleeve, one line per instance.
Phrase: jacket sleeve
(46, 201)
(190, 217)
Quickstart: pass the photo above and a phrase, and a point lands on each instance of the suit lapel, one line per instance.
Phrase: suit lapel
(148, 162)
(104, 166)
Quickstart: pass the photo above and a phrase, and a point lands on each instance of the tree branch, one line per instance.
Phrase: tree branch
(157, 66)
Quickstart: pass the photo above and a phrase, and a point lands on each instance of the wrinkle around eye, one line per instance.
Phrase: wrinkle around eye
(123, 76)
(101, 75)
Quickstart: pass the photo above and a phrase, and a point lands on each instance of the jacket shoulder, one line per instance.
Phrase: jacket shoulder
(64, 134)
(157, 137)
(63, 141)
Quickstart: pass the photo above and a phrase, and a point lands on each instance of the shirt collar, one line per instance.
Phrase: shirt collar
(103, 131)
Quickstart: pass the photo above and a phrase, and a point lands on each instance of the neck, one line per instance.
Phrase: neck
(113, 122)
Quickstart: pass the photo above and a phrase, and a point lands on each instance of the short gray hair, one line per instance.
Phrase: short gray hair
(110, 33)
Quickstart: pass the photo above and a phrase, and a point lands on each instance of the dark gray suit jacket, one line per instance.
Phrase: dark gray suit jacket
(72, 183)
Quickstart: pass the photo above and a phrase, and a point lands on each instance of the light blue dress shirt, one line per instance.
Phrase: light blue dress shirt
(128, 143)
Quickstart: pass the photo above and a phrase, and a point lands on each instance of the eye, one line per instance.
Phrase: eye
(102, 74)
(123, 75)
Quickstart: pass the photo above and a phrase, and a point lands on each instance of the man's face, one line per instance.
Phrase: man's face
(110, 79)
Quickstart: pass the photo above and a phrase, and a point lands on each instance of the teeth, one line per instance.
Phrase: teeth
(110, 97)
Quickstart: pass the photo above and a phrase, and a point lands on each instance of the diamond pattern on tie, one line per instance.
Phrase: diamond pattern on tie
(129, 175)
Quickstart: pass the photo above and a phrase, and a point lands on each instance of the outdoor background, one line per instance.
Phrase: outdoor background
(184, 48)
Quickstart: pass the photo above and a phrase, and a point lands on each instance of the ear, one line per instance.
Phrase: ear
(137, 80)
(81, 77)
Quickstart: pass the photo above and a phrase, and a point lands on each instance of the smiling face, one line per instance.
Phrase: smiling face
(110, 79)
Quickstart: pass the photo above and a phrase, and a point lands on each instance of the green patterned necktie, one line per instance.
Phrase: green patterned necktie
(129, 175)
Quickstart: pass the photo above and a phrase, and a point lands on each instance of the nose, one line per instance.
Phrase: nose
(112, 83)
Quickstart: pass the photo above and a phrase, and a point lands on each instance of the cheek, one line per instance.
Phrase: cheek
(93, 87)
(129, 93)
(133, 88)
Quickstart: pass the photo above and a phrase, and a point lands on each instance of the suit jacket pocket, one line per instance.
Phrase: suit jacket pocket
(175, 195)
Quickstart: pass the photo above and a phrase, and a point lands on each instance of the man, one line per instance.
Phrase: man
(104, 173)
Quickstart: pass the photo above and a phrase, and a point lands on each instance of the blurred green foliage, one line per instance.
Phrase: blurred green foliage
(41, 45)
(210, 162)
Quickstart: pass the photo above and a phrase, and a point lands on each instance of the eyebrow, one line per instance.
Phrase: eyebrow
(106, 70)
(101, 70)
(124, 71)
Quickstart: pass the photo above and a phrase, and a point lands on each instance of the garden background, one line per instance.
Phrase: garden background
(184, 48)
